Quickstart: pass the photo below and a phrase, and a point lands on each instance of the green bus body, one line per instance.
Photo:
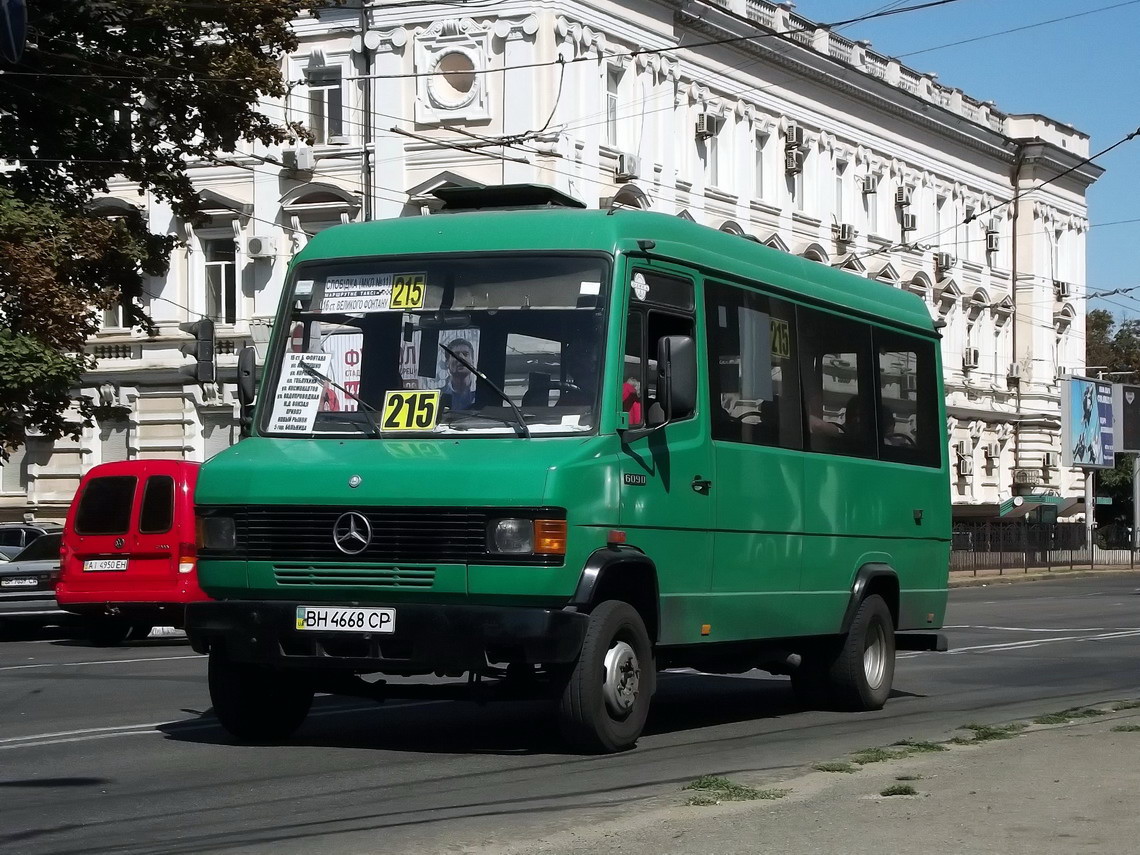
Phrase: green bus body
(734, 552)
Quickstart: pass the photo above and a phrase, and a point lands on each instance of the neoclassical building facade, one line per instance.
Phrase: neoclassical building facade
(766, 124)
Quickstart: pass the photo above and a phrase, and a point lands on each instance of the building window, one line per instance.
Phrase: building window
(871, 208)
(114, 317)
(325, 103)
(221, 280)
(840, 197)
(796, 185)
(762, 177)
(613, 85)
(942, 222)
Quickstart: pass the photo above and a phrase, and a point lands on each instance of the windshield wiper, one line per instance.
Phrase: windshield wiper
(520, 424)
(366, 408)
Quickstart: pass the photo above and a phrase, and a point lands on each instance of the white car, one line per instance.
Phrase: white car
(27, 585)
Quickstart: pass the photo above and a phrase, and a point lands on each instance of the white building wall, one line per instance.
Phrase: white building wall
(854, 106)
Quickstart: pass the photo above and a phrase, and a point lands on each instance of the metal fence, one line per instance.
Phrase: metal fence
(1024, 547)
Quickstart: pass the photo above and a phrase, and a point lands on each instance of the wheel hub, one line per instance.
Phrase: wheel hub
(622, 678)
(875, 657)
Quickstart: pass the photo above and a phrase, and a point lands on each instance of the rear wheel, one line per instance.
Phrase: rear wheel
(255, 703)
(855, 672)
(139, 631)
(605, 699)
(108, 632)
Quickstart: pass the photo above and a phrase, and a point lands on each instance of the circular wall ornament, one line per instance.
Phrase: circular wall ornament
(452, 82)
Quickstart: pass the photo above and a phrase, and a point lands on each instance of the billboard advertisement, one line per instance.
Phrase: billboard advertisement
(1086, 424)
(1126, 417)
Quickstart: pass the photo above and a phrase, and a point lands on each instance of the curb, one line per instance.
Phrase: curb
(989, 577)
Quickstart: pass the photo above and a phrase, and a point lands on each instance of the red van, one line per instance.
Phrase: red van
(128, 559)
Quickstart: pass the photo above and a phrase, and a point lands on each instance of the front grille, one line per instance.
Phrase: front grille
(292, 535)
(395, 578)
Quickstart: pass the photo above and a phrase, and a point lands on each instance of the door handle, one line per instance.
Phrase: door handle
(701, 485)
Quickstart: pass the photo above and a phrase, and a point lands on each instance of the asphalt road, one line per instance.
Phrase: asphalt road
(114, 750)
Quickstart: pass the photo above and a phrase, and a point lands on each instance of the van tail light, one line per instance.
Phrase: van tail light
(187, 557)
(64, 556)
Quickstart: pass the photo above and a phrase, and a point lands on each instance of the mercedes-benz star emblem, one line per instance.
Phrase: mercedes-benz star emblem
(352, 533)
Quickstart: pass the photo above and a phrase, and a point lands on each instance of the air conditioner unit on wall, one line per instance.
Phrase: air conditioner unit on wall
(1049, 460)
(870, 184)
(628, 167)
(993, 451)
(992, 241)
(1063, 371)
(909, 222)
(299, 158)
(1064, 289)
(1014, 372)
(845, 233)
(793, 161)
(794, 137)
(965, 466)
(260, 246)
(903, 196)
(706, 126)
(943, 260)
(963, 449)
(970, 358)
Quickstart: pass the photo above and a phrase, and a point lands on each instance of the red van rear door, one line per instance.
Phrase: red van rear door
(103, 530)
(154, 546)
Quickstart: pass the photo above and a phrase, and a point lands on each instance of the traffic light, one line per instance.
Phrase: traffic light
(202, 349)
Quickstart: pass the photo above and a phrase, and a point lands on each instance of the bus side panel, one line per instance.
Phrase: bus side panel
(756, 549)
(850, 501)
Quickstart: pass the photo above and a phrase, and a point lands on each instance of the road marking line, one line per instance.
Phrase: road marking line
(37, 740)
(1045, 629)
(100, 662)
(1037, 642)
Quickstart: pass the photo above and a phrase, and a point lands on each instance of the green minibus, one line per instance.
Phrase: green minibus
(546, 451)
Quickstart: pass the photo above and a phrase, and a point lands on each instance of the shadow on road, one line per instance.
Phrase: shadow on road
(683, 702)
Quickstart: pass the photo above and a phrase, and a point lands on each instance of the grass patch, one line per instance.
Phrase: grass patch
(840, 766)
(1126, 705)
(713, 789)
(1065, 716)
(989, 732)
(909, 778)
(899, 790)
(912, 746)
(1126, 728)
(876, 755)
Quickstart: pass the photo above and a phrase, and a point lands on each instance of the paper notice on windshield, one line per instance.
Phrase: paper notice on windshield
(299, 393)
(374, 293)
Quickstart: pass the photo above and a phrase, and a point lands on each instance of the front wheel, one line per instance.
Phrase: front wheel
(605, 699)
(255, 703)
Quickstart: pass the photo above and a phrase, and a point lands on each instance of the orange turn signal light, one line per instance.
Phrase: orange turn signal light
(550, 537)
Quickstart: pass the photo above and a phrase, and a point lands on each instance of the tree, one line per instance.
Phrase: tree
(137, 88)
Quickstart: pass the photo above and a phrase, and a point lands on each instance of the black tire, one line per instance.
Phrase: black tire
(255, 703)
(139, 631)
(108, 632)
(596, 717)
(856, 671)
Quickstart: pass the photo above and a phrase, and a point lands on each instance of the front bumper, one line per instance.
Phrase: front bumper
(428, 637)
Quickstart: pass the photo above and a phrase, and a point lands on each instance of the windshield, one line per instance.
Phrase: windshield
(386, 347)
(43, 547)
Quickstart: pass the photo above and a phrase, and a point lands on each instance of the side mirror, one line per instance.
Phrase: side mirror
(246, 385)
(676, 376)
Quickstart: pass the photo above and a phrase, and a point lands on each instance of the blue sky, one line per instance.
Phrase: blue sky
(1082, 71)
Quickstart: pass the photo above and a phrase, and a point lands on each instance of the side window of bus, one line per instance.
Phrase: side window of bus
(659, 306)
(753, 384)
(838, 390)
(908, 392)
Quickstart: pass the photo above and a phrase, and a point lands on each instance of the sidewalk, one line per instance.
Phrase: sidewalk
(968, 578)
(1049, 789)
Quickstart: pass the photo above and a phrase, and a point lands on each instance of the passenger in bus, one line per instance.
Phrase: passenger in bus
(458, 392)
(631, 400)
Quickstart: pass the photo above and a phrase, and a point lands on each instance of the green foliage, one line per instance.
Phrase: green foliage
(1126, 728)
(713, 789)
(834, 767)
(1071, 714)
(899, 790)
(107, 89)
(988, 732)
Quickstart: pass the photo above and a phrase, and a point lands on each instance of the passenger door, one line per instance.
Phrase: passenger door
(666, 487)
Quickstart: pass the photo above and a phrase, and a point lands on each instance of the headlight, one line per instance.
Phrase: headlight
(512, 536)
(217, 533)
